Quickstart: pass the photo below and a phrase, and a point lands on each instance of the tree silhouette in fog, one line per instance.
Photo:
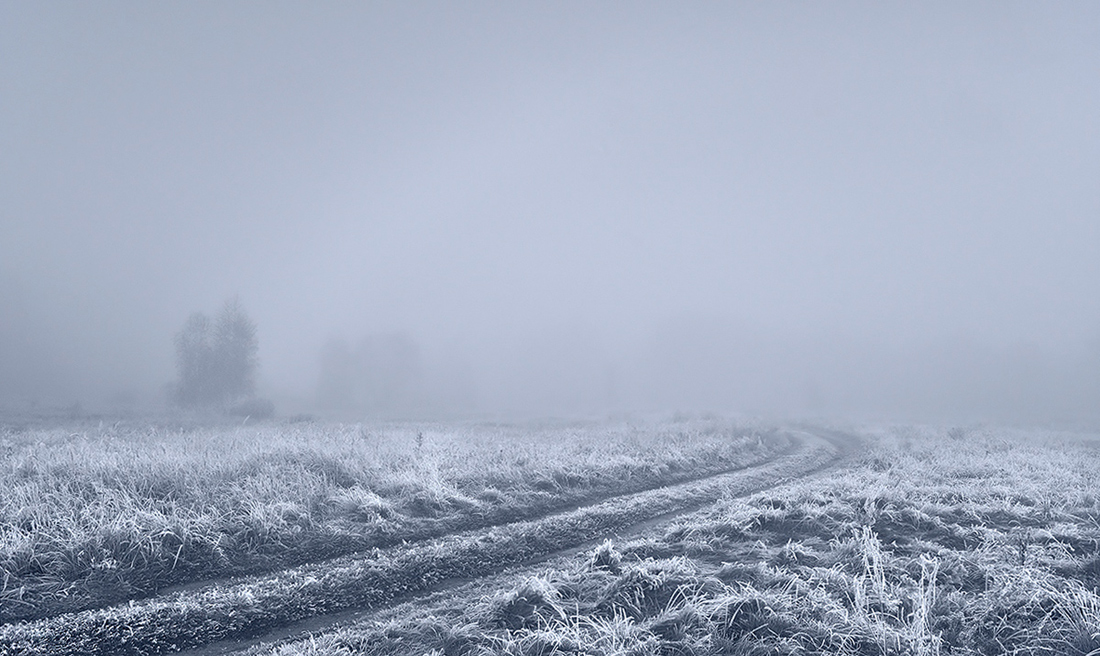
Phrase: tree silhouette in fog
(216, 360)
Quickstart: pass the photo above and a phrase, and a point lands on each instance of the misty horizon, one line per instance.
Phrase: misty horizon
(551, 210)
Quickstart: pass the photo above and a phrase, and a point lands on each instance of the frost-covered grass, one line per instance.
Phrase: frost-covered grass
(253, 606)
(937, 542)
(96, 514)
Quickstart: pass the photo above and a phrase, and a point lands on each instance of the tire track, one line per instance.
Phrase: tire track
(844, 445)
(235, 615)
(442, 527)
(411, 529)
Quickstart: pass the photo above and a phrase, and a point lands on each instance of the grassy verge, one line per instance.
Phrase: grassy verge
(96, 515)
(245, 608)
(952, 542)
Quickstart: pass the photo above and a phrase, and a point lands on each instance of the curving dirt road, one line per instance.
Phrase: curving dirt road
(226, 617)
(843, 447)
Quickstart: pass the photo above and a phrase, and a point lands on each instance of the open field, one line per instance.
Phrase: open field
(97, 514)
(933, 542)
(909, 541)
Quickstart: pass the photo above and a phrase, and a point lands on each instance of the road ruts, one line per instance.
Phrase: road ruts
(233, 616)
(844, 446)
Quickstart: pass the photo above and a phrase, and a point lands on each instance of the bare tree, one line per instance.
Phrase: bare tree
(235, 349)
(216, 360)
(195, 363)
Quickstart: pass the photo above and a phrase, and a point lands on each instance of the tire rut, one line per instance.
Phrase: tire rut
(845, 446)
(234, 616)
(444, 528)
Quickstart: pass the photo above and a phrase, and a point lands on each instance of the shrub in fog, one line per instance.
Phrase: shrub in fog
(216, 360)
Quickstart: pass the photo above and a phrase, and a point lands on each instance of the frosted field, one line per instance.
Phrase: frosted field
(101, 513)
(934, 541)
(698, 536)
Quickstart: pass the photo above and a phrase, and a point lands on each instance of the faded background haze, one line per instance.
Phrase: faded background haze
(489, 209)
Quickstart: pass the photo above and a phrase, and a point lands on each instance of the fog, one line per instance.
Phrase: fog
(559, 209)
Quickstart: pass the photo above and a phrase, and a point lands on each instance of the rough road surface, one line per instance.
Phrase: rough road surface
(229, 616)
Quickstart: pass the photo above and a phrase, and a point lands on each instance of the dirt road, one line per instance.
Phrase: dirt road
(229, 616)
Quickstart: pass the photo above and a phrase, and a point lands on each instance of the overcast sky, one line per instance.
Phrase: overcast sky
(571, 205)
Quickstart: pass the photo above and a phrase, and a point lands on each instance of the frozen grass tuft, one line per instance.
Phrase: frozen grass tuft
(607, 558)
(535, 603)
